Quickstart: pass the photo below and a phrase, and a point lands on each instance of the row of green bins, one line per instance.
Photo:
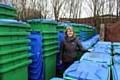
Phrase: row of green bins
(49, 50)
(7, 11)
(48, 28)
(43, 25)
(61, 26)
(13, 50)
(86, 32)
(85, 27)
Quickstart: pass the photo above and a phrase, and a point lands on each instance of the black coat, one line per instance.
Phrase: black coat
(69, 49)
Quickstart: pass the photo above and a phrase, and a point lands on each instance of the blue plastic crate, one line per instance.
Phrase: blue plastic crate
(12, 21)
(116, 59)
(36, 69)
(36, 57)
(97, 57)
(36, 43)
(116, 47)
(89, 43)
(116, 51)
(116, 44)
(63, 24)
(102, 50)
(43, 20)
(60, 39)
(56, 78)
(37, 74)
(116, 71)
(88, 71)
(104, 45)
(36, 66)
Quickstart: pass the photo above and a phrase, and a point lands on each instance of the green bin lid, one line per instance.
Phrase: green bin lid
(8, 22)
(42, 21)
(8, 14)
(7, 6)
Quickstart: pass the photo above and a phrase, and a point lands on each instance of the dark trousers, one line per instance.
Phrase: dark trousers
(66, 65)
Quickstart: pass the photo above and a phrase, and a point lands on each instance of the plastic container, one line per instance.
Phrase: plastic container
(9, 54)
(116, 72)
(36, 72)
(116, 59)
(13, 44)
(116, 47)
(104, 43)
(20, 71)
(49, 34)
(116, 44)
(61, 26)
(4, 15)
(97, 57)
(90, 42)
(12, 36)
(50, 69)
(75, 27)
(80, 71)
(102, 50)
(13, 61)
(50, 50)
(60, 36)
(36, 69)
(43, 25)
(7, 25)
(7, 8)
(116, 51)
(48, 40)
(36, 42)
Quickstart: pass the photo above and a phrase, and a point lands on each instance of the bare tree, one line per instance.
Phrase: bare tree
(75, 8)
(57, 6)
(43, 7)
(27, 9)
(111, 6)
(117, 8)
(96, 7)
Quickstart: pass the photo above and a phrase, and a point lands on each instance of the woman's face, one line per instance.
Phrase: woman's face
(70, 33)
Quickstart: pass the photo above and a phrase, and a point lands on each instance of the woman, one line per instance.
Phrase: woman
(69, 48)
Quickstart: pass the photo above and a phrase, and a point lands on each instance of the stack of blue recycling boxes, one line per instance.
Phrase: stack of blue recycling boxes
(87, 71)
(89, 43)
(36, 69)
(103, 47)
(60, 39)
(116, 61)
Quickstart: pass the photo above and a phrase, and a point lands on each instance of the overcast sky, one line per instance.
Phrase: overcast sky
(84, 13)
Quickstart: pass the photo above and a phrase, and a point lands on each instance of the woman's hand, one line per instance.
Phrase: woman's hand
(60, 61)
(90, 50)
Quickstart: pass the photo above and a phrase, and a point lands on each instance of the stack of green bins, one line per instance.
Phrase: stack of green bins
(13, 50)
(88, 29)
(61, 26)
(48, 28)
(7, 11)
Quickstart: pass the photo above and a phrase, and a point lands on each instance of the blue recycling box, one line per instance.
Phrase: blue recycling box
(87, 71)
